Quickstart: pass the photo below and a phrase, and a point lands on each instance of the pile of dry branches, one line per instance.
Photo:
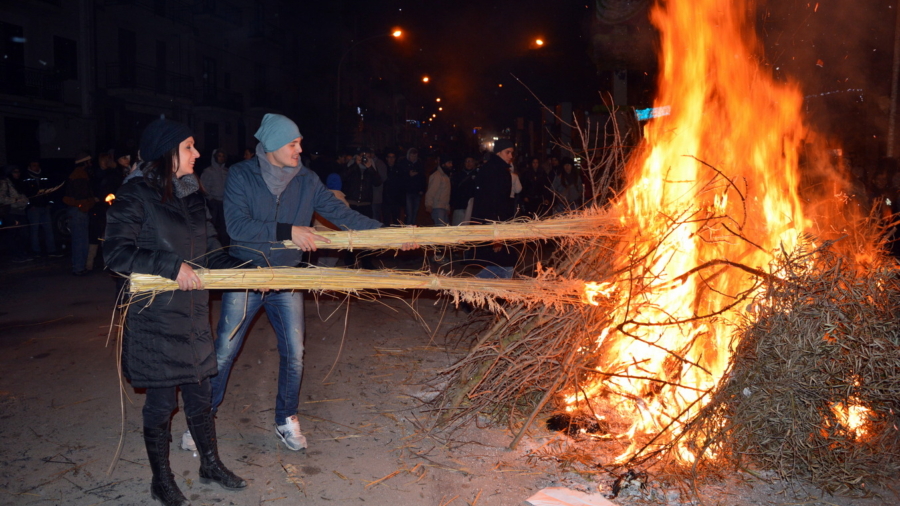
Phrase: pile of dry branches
(825, 346)
(821, 341)
(818, 340)
(523, 359)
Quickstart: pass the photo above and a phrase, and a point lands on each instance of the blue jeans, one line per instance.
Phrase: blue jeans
(285, 312)
(441, 217)
(412, 207)
(78, 225)
(39, 218)
(495, 272)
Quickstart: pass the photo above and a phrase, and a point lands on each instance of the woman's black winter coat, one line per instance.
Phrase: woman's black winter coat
(167, 339)
(493, 186)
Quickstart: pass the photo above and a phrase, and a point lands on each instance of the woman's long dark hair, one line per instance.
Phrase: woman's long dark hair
(570, 179)
(159, 173)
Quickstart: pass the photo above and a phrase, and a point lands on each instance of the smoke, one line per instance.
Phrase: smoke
(840, 52)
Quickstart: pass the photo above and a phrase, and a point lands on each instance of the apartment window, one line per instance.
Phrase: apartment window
(161, 66)
(159, 7)
(65, 57)
(259, 76)
(209, 75)
(12, 44)
(127, 57)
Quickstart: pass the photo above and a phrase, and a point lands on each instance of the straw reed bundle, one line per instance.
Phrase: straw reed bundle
(578, 224)
(547, 289)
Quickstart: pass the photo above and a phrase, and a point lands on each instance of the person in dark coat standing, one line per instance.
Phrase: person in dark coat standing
(358, 180)
(158, 225)
(463, 188)
(81, 199)
(394, 191)
(493, 186)
(413, 171)
(39, 188)
(492, 202)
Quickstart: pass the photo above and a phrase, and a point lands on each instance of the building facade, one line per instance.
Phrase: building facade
(91, 74)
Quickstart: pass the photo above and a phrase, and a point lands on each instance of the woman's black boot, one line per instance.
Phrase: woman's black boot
(163, 487)
(203, 429)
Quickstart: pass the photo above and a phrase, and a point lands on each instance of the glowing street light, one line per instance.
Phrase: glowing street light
(425, 79)
(396, 34)
(539, 42)
(437, 99)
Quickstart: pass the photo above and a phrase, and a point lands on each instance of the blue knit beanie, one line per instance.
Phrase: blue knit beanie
(160, 137)
(276, 131)
(333, 181)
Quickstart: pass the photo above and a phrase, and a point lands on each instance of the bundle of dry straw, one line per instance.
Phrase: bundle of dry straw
(583, 223)
(546, 289)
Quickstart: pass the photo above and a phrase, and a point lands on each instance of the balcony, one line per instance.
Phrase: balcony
(174, 10)
(261, 98)
(220, 9)
(30, 82)
(218, 97)
(135, 76)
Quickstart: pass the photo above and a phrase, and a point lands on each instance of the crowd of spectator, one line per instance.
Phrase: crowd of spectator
(49, 213)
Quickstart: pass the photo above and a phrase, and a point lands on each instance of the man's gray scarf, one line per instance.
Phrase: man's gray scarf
(276, 178)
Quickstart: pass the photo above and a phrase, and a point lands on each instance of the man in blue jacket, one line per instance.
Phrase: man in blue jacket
(270, 198)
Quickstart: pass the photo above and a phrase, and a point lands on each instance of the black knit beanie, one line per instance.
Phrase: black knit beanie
(160, 137)
(501, 144)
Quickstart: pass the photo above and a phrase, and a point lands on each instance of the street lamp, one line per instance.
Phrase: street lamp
(337, 99)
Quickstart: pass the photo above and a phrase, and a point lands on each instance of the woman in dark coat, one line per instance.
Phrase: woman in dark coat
(157, 224)
(568, 187)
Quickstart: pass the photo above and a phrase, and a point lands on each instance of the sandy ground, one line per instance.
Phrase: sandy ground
(60, 414)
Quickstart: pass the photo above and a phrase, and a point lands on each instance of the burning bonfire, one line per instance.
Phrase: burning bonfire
(743, 313)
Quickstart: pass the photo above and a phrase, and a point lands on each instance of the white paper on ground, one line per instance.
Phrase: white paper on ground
(559, 496)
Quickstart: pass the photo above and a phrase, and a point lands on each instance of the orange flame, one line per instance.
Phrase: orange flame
(715, 184)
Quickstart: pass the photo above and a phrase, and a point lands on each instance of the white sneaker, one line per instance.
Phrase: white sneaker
(187, 441)
(290, 434)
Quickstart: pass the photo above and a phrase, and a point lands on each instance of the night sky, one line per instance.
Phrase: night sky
(839, 51)
(468, 48)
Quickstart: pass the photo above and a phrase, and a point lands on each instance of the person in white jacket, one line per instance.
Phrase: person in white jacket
(437, 198)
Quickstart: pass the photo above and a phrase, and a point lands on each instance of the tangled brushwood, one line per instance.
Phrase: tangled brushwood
(810, 390)
(814, 388)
